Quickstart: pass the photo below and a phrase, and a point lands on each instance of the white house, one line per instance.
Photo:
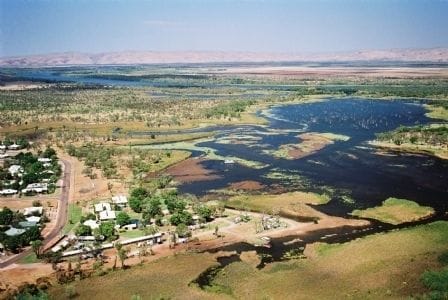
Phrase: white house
(4, 155)
(120, 200)
(15, 170)
(34, 219)
(2, 147)
(36, 187)
(92, 224)
(44, 160)
(130, 226)
(106, 215)
(8, 192)
(35, 210)
(14, 231)
(102, 206)
(14, 147)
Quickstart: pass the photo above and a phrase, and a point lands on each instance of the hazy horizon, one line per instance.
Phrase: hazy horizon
(265, 26)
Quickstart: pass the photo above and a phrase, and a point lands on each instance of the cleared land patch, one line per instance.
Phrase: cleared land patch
(288, 204)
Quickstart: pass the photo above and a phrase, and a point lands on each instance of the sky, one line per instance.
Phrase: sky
(93, 26)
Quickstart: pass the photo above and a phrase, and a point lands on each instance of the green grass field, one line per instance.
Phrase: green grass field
(395, 211)
(131, 234)
(29, 259)
(74, 215)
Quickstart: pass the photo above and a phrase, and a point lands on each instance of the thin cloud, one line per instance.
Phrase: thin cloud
(162, 23)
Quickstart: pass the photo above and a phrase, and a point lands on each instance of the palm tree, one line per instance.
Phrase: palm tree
(37, 245)
(122, 253)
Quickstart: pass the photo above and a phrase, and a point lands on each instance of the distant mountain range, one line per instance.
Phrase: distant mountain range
(157, 57)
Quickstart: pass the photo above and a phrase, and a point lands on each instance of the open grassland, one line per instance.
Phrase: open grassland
(395, 211)
(166, 278)
(288, 204)
(381, 266)
(438, 111)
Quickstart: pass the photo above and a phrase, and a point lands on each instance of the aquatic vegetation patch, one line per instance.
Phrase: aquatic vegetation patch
(311, 143)
(396, 211)
(209, 153)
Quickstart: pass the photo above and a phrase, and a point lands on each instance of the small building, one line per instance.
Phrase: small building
(3, 147)
(5, 192)
(15, 170)
(34, 219)
(44, 160)
(196, 219)
(130, 226)
(165, 212)
(51, 172)
(86, 238)
(102, 206)
(120, 200)
(107, 215)
(36, 187)
(14, 147)
(4, 155)
(92, 224)
(33, 211)
(26, 224)
(14, 231)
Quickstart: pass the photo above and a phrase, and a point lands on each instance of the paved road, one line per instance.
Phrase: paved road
(61, 218)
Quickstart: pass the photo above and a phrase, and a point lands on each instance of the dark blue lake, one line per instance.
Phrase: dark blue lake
(349, 169)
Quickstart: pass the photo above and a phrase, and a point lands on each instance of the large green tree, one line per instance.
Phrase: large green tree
(6, 216)
(123, 218)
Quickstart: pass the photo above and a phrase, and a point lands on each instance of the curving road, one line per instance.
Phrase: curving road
(61, 217)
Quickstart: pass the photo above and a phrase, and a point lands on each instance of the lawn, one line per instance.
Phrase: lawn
(130, 234)
(74, 215)
(395, 211)
(29, 259)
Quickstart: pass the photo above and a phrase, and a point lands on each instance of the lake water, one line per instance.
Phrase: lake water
(349, 169)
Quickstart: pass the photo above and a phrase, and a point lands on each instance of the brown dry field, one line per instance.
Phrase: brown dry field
(311, 143)
(191, 170)
(85, 188)
(16, 203)
(247, 185)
